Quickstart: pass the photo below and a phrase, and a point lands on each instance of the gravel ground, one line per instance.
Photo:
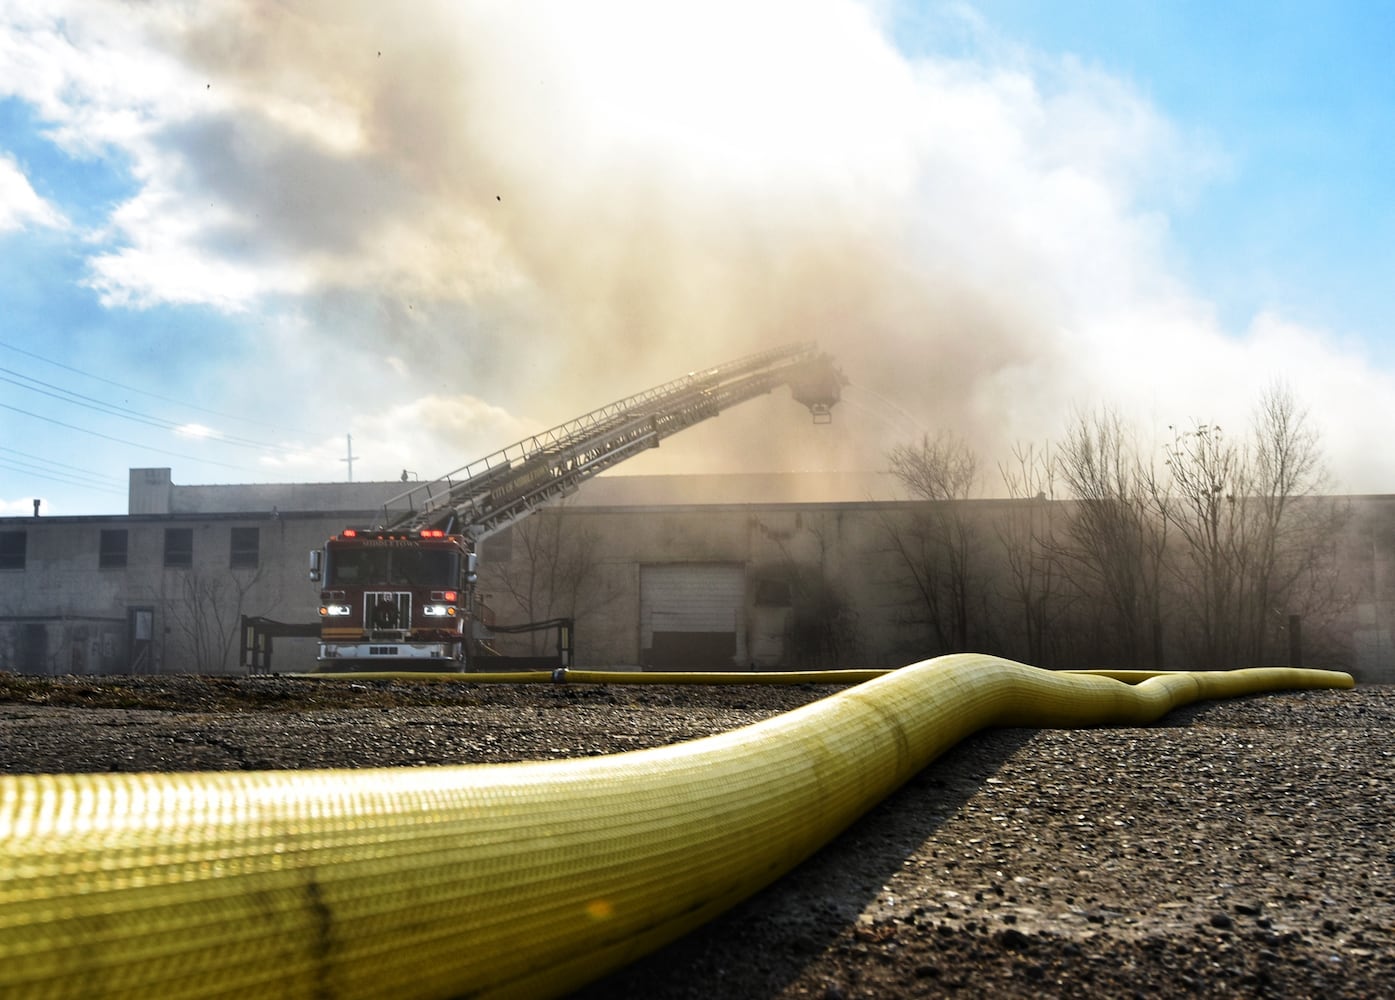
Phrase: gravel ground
(1237, 848)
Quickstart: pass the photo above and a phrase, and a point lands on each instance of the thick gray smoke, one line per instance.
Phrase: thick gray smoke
(548, 207)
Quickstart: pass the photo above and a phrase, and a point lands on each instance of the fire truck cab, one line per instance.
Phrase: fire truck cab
(394, 595)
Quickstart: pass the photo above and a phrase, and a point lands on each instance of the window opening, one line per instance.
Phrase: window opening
(179, 547)
(111, 553)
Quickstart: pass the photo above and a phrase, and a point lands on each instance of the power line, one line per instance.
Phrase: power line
(36, 462)
(108, 437)
(60, 465)
(111, 409)
(35, 472)
(152, 395)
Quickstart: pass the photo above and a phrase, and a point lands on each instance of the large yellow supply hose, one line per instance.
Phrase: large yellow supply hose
(571, 675)
(520, 880)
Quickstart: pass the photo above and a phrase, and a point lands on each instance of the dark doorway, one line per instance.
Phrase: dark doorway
(140, 633)
(33, 649)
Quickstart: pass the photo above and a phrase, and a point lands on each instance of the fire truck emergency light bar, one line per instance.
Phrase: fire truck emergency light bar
(415, 533)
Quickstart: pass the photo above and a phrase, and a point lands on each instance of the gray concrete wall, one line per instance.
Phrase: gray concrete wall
(195, 609)
(839, 547)
(1369, 559)
(64, 613)
(846, 545)
(153, 492)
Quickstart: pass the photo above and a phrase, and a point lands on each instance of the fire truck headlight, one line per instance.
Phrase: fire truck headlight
(436, 610)
(334, 610)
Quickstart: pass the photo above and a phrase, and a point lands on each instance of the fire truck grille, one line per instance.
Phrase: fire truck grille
(387, 610)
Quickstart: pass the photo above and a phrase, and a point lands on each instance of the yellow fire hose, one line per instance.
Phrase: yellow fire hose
(524, 880)
(571, 675)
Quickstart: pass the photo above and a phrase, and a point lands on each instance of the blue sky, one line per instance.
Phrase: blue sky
(1297, 102)
(231, 237)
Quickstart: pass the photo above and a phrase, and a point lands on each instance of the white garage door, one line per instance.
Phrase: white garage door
(693, 615)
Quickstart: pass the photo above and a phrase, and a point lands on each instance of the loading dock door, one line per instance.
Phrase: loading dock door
(692, 616)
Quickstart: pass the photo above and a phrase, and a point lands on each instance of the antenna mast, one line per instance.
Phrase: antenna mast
(349, 455)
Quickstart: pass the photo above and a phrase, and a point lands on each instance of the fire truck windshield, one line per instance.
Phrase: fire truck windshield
(399, 567)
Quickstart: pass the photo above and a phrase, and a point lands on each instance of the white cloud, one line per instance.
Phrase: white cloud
(96, 72)
(196, 431)
(426, 437)
(20, 206)
(102, 77)
(25, 507)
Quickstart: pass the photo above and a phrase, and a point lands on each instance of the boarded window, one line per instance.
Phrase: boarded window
(246, 548)
(12, 546)
(179, 547)
(111, 553)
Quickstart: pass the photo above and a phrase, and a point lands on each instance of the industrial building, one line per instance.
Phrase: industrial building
(658, 572)
(165, 587)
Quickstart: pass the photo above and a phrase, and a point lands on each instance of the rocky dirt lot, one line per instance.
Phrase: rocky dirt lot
(1237, 848)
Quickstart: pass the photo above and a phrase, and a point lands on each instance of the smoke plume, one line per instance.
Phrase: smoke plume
(548, 206)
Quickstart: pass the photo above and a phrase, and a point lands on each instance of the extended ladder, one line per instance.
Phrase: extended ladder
(491, 493)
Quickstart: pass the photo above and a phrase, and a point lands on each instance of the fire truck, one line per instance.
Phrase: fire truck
(403, 589)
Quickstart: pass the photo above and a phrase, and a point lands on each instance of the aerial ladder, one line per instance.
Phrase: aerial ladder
(403, 588)
(493, 492)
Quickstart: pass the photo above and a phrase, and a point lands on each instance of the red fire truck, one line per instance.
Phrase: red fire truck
(404, 589)
(394, 595)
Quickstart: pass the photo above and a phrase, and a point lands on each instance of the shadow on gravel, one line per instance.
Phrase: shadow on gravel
(1203, 712)
(795, 919)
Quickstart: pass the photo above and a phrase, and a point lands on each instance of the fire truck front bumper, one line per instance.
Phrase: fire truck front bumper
(388, 650)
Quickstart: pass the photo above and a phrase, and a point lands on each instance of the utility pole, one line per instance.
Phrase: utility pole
(349, 455)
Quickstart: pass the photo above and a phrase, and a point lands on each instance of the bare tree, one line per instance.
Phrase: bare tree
(1032, 579)
(207, 614)
(1259, 539)
(821, 629)
(939, 549)
(555, 570)
(939, 468)
(1112, 543)
(1206, 502)
(1295, 569)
